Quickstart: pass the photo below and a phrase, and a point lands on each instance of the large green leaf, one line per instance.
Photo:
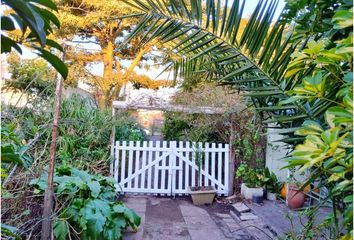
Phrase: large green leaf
(61, 229)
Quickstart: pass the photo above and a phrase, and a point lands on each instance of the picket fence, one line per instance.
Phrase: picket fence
(170, 167)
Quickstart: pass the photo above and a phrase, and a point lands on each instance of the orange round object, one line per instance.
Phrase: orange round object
(283, 191)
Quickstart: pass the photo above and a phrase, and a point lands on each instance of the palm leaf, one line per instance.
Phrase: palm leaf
(209, 38)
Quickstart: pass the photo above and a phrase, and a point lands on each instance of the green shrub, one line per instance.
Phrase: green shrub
(270, 181)
(253, 178)
(88, 206)
(190, 127)
(84, 132)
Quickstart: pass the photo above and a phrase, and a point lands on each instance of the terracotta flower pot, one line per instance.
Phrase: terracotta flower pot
(295, 197)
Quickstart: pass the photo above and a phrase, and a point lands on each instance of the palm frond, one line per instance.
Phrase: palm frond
(217, 41)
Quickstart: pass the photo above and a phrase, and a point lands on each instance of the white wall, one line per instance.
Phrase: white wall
(275, 152)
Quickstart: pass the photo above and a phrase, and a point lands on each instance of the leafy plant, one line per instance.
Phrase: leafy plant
(313, 85)
(88, 208)
(270, 181)
(9, 232)
(253, 178)
(12, 150)
(34, 20)
(31, 76)
(84, 132)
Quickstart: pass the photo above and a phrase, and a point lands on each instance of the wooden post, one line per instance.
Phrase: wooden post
(48, 194)
(231, 163)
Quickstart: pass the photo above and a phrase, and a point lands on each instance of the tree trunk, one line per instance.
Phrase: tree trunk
(107, 79)
(48, 195)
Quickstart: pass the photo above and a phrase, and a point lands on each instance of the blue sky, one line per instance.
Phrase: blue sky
(98, 68)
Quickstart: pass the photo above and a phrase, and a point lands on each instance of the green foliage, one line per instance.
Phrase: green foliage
(12, 151)
(253, 178)
(32, 76)
(126, 128)
(9, 232)
(310, 89)
(323, 73)
(270, 181)
(36, 16)
(89, 209)
(191, 127)
(84, 132)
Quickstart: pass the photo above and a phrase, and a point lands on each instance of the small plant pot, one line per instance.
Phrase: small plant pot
(295, 198)
(248, 193)
(271, 196)
(257, 199)
(202, 195)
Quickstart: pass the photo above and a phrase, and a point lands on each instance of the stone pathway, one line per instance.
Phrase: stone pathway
(170, 219)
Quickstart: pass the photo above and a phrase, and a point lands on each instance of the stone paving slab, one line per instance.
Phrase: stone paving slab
(139, 206)
(273, 213)
(241, 207)
(199, 223)
(178, 219)
(248, 216)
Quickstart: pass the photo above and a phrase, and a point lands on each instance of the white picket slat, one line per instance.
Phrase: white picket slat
(149, 183)
(206, 165)
(180, 171)
(186, 154)
(136, 165)
(193, 161)
(219, 162)
(213, 162)
(130, 165)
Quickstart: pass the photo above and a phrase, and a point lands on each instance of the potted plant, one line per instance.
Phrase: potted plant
(201, 194)
(295, 196)
(271, 184)
(252, 181)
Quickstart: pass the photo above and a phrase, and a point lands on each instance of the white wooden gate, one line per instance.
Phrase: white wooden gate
(170, 167)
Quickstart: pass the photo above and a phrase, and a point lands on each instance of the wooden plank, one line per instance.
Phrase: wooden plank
(149, 183)
(193, 161)
(227, 173)
(123, 160)
(206, 165)
(171, 183)
(130, 165)
(200, 163)
(143, 164)
(180, 164)
(156, 171)
(219, 163)
(136, 165)
(186, 174)
(163, 172)
(213, 163)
